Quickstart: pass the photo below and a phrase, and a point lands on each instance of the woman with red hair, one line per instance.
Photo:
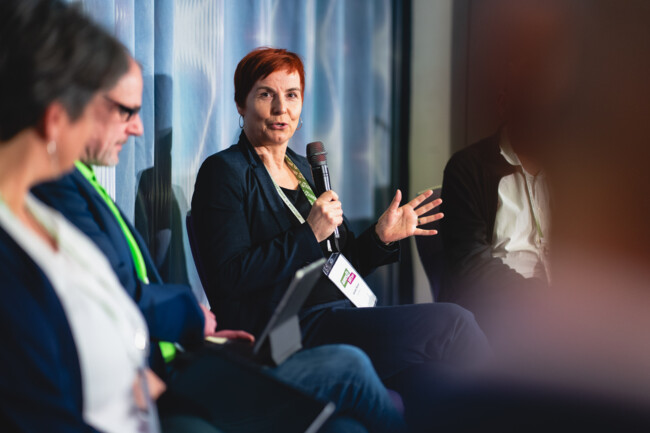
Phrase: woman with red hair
(258, 221)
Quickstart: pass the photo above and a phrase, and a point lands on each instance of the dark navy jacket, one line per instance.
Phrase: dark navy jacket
(171, 311)
(249, 242)
(40, 384)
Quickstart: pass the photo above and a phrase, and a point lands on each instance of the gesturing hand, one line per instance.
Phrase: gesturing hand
(211, 325)
(242, 336)
(326, 214)
(401, 222)
(210, 322)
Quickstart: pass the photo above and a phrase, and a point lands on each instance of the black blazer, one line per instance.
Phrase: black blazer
(171, 311)
(249, 242)
(40, 385)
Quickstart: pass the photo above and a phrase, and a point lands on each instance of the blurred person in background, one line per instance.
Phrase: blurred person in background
(575, 356)
(496, 199)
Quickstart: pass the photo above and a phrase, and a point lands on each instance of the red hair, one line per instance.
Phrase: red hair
(259, 64)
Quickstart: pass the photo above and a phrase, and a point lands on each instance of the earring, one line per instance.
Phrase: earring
(241, 122)
(51, 148)
(299, 125)
(54, 160)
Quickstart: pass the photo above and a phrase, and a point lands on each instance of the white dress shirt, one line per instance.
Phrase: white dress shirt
(522, 220)
(109, 331)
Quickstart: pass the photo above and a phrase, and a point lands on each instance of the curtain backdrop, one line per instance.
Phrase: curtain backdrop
(189, 50)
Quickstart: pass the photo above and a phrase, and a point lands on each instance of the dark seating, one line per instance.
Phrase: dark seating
(430, 249)
(191, 236)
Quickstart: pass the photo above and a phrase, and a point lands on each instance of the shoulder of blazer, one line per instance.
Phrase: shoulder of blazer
(482, 158)
(76, 179)
(73, 184)
(13, 256)
(237, 156)
(226, 163)
(80, 181)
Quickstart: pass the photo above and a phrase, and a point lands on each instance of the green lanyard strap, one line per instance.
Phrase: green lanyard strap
(304, 186)
(168, 350)
(138, 260)
(306, 189)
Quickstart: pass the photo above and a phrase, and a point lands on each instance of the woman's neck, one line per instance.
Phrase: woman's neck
(23, 162)
(273, 159)
(17, 173)
(272, 156)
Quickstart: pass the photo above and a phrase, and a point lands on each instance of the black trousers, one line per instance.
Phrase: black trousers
(397, 338)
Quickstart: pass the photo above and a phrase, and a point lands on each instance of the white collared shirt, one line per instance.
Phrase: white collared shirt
(109, 331)
(516, 239)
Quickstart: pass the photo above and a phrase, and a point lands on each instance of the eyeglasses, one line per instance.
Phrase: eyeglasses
(124, 110)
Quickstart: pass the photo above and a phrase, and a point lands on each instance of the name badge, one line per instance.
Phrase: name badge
(339, 270)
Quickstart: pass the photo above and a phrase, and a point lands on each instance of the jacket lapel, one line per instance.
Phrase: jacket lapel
(273, 200)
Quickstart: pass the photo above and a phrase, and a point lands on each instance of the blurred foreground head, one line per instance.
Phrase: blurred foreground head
(53, 63)
(590, 329)
(531, 45)
(601, 177)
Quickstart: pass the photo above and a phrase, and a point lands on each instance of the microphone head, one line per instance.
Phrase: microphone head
(316, 154)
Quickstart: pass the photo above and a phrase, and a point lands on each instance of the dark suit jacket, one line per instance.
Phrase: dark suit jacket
(250, 244)
(171, 311)
(40, 384)
(470, 197)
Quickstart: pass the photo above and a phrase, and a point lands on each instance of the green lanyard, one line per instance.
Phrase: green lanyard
(306, 189)
(168, 350)
(136, 254)
(304, 186)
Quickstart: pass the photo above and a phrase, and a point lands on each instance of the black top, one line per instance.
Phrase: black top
(325, 290)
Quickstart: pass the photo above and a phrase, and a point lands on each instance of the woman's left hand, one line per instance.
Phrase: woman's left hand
(241, 336)
(398, 222)
(155, 386)
(209, 322)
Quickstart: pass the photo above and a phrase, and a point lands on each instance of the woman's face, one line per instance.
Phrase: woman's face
(273, 108)
(74, 135)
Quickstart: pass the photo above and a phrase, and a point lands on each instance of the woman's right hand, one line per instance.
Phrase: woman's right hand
(326, 214)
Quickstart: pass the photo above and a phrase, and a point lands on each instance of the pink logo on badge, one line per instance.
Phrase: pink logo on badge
(348, 277)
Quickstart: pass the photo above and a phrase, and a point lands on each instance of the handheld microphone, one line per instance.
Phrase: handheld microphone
(317, 158)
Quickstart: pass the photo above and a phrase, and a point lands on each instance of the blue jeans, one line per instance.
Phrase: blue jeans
(343, 375)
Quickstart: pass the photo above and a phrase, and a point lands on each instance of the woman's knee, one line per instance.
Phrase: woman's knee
(353, 358)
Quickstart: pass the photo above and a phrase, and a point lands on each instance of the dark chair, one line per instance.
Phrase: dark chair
(191, 236)
(430, 249)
